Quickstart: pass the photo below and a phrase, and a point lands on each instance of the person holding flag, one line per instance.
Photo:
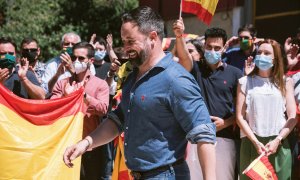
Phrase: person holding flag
(263, 98)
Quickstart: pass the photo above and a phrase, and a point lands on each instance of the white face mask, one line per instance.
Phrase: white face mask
(80, 66)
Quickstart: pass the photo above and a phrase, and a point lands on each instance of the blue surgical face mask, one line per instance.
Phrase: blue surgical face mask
(263, 62)
(99, 55)
(212, 57)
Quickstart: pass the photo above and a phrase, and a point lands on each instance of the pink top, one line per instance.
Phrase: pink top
(98, 100)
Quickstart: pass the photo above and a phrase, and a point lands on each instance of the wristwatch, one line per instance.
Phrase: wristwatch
(108, 74)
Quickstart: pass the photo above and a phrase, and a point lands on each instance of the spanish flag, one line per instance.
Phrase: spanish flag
(261, 169)
(203, 9)
(35, 133)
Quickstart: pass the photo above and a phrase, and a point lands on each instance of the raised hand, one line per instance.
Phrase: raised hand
(4, 74)
(67, 62)
(23, 68)
(249, 65)
(93, 37)
(231, 42)
(109, 40)
(178, 27)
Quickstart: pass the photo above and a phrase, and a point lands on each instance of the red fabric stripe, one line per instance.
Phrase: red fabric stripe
(253, 175)
(267, 163)
(123, 175)
(42, 112)
(196, 8)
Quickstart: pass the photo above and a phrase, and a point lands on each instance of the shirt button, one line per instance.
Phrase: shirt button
(128, 110)
(125, 144)
(126, 127)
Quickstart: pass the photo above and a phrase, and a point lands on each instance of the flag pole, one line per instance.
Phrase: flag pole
(180, 11)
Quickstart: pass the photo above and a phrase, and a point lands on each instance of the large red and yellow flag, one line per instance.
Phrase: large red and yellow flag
(203, 9)
(261, 169)
(35, 133)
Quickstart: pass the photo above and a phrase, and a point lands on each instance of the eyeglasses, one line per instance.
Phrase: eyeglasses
(30, 50)
(80, 58)
(244, 37)
(11, 53)
(68, 44)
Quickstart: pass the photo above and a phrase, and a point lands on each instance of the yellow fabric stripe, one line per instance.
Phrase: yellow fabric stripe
(210, 5)
(262, 170)
(28, 151)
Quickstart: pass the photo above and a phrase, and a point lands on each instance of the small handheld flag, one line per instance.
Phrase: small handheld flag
(261, 169)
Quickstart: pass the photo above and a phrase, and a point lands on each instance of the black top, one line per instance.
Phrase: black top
(102, 70)
(218, 89)
(14, 84)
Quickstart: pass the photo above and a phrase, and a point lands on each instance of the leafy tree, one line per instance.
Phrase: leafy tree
(48, 20)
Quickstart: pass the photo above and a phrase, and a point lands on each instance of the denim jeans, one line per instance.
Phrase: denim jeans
(178, 172)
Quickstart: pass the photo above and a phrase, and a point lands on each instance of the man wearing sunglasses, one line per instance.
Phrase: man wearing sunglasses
(246, 40)
(96, 98)
(31, 50)
(60, 67)
(17, 78)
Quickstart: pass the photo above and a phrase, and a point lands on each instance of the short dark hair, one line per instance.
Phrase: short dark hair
(216, 33)
(250, 28)
(86, 45)
(8, 40)
(100, 40)
(146, 19)
(28, 40)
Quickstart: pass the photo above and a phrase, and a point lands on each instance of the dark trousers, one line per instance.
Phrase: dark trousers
(97, 164)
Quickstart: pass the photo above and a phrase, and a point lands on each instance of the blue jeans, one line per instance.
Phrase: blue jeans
(178, 172)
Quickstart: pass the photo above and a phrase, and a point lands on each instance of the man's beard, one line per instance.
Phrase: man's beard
(137, 59)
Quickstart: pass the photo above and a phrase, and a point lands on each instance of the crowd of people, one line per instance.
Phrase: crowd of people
(207, 108)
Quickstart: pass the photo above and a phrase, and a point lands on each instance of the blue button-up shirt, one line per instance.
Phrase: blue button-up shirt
(158, 113)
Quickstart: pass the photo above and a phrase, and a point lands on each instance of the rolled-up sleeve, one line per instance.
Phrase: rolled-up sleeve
(202, 133)
(190, 110)
(118, 118)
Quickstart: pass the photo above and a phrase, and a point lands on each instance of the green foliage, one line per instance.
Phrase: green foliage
(48, 20)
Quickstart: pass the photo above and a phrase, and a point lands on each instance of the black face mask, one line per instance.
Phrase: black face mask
(29, 55)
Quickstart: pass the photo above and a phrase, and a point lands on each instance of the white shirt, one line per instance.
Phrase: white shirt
(265, 106)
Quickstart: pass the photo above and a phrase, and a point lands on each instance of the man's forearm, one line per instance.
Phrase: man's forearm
(34, 91)
(207, 159)
(105, 133)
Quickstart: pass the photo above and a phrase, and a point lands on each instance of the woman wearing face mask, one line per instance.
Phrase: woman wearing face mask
(263, 98)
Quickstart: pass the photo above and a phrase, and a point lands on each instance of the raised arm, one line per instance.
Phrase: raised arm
(185, 59)
(34, 91)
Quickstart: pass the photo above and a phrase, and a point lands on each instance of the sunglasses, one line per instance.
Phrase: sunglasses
(68, 44)
(30, 50)
(80, 58)
(244, 37)
(11, 53)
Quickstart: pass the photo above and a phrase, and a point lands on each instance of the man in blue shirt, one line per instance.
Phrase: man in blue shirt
(161, 109)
